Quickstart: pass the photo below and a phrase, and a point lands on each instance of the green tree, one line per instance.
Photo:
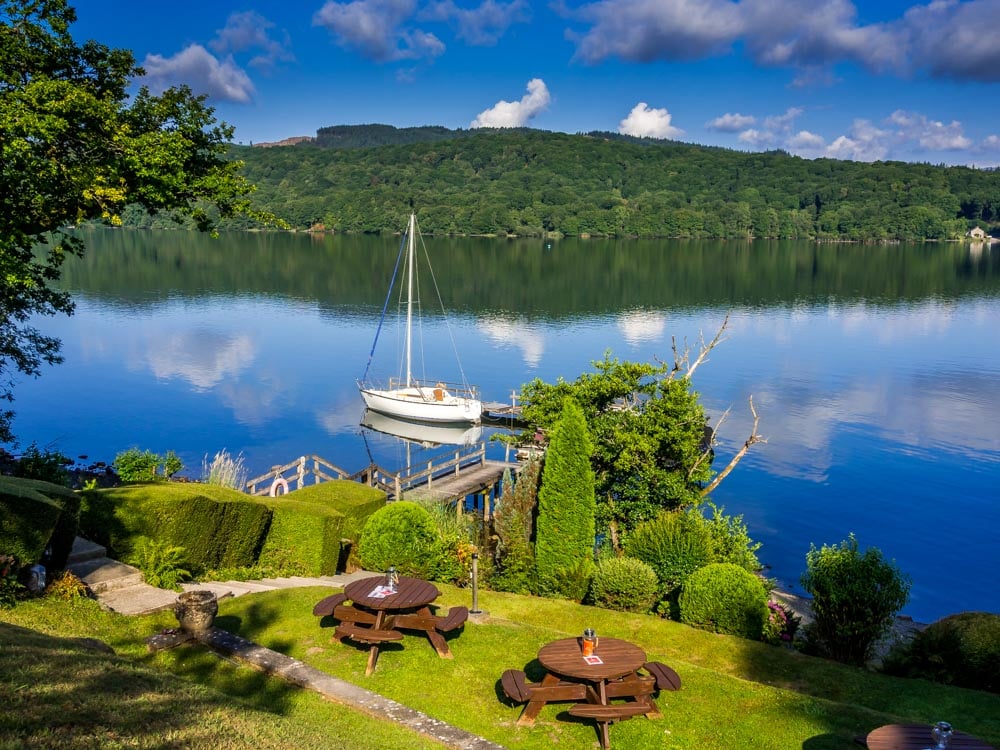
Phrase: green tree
(514, 526)
(649, 431)
(73, 148)
(564, 545)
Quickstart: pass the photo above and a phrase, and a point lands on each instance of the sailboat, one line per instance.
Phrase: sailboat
(406, 397)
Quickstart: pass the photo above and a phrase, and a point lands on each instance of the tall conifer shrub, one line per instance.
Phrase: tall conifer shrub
(564, 545)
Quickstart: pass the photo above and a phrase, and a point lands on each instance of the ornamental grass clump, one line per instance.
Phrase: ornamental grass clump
(724, 598)
(225, 470)
(625, 584)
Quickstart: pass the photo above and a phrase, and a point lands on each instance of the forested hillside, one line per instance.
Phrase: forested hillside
(529, 182)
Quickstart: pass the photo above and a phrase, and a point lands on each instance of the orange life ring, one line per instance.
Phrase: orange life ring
(279, 482)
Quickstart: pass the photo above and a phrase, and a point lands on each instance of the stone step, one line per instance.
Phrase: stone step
(138, 599)
(84, 550)
(279, 583)
(102, 574)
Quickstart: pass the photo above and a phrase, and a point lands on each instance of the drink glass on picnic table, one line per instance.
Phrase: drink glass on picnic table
(391, 578)
(589, 641)
(941, 732)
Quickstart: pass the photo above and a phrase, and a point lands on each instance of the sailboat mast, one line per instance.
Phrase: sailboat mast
(409, 297)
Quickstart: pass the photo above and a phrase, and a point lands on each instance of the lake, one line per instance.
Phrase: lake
(875, 369)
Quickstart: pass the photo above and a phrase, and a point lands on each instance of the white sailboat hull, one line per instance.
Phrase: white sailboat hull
(424, 403)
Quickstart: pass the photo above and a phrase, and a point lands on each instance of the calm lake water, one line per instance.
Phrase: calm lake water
(875, 370)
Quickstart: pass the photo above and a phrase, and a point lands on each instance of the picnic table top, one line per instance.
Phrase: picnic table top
(410, 593)
(918, 737)
(618, 657)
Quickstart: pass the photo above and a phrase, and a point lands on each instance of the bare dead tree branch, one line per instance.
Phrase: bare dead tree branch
(752, 440)
(706, 455)
(706, 348)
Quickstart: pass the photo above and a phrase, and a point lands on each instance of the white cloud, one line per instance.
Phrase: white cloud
(731, 122)
(643, 31)
(952, 39)
(483, 25)
(250, 30)
(756, 138)
(804, 140)
(506, 114)
(202, 71)
(945, 38)
(991, 143)
(644, 122)
(932, 135)
(864, 143)
(782, 122)
(374, 28)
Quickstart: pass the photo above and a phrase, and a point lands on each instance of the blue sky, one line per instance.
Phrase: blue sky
(870, 80)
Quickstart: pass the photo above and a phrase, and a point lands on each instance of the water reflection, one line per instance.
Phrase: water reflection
(425, 434)
(876, 370)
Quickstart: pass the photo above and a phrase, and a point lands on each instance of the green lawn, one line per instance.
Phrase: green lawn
(736, 694)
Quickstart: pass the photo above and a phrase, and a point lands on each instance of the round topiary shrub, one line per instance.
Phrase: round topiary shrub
(724, 598)
(402, 535)
(962, 650)
(625, 584)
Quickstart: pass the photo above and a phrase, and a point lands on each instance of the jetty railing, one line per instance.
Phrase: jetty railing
(277, 480)
(394, 483)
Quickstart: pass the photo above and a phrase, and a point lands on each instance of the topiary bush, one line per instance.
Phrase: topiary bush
(961, 649)
(856, 597)
(624, 584)
(401, 535)
(724, 598)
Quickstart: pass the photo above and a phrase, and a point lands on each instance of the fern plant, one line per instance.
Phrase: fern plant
(160, 563)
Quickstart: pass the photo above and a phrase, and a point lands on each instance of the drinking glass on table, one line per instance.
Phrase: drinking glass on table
(941, 733)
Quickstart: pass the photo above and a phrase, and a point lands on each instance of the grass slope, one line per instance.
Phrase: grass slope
(736, 694)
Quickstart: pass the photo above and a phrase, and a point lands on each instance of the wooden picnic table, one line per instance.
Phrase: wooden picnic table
(569, 676)
(918, 737)
(374, 618)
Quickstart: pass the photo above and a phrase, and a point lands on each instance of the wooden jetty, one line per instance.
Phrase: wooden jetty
(450, 476)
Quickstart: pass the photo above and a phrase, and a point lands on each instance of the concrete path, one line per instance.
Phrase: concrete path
(120, 588)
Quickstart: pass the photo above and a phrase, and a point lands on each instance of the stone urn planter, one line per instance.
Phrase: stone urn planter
(196, 610)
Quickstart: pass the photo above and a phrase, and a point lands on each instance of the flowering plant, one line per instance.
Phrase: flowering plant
(780, 625)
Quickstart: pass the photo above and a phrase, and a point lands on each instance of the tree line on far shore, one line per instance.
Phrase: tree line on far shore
(366, 179)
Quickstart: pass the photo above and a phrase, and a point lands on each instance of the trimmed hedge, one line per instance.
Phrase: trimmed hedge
(61, 541)
(218, 527)
(724, 598)
(211, 523)
(30, 511)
